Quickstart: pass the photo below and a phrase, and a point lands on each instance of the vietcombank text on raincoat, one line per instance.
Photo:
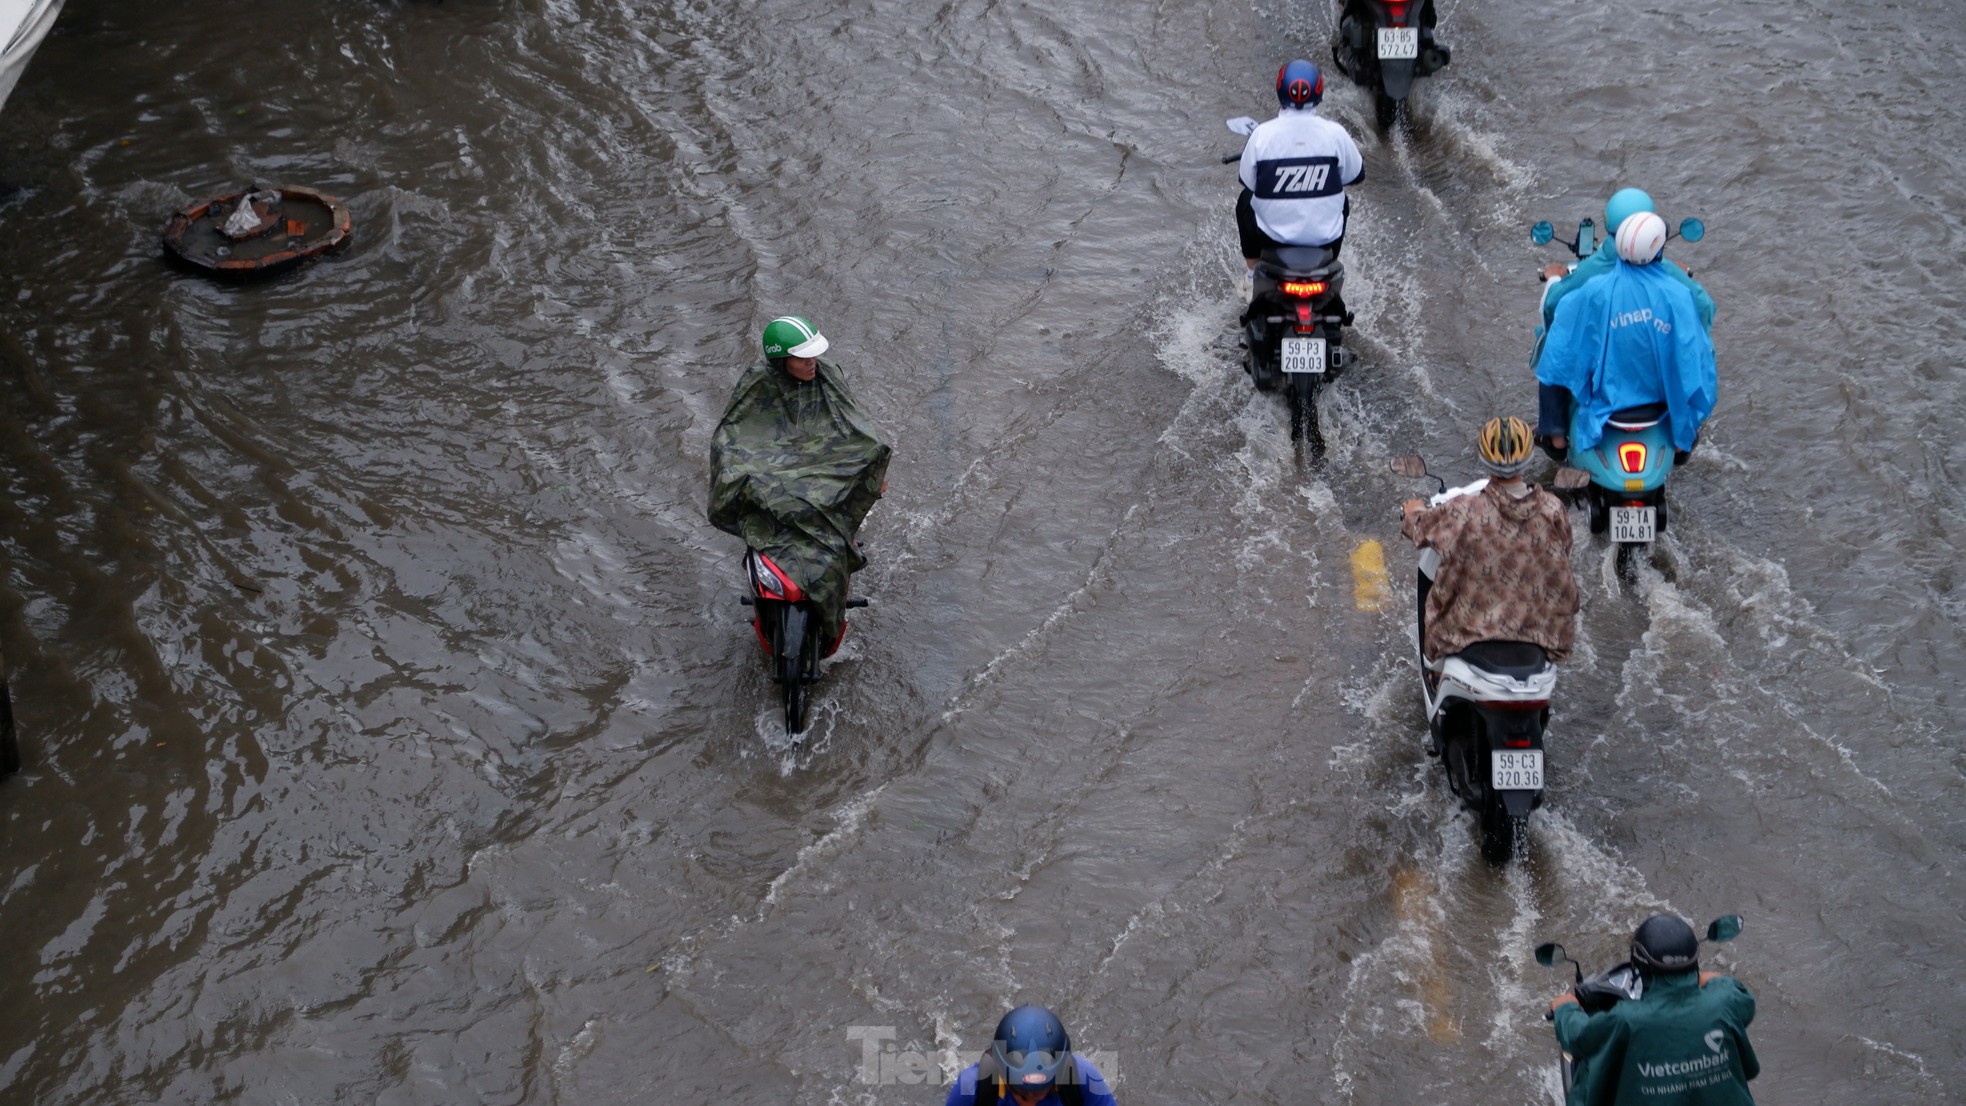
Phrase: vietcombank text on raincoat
(794, 469)
(1682, 1044)
(1630, 337)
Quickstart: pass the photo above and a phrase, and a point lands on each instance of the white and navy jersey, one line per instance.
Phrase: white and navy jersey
(1296, 167)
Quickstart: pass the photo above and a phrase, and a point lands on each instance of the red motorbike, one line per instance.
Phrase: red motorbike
(790, 628)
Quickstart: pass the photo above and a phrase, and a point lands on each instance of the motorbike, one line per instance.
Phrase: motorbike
(1602, 990)
(1292, 328)
(1629, 465)
(1386, 44)
(791, 631)
(1488, 708)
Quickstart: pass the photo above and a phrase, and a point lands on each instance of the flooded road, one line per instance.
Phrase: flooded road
(393, 733)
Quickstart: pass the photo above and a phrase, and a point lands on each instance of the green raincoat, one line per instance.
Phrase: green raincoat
(1680, 1045)
(794, 468)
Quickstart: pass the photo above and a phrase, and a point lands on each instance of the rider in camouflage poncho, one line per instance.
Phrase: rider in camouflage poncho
(795, 466)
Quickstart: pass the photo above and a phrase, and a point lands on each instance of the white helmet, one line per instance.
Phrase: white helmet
(1640, 237)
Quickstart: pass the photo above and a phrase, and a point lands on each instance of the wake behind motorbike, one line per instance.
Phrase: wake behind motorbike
(1386, 44)
(792, 630)
(1628, 467)
(1293, 327)
(1488, 707)
(1602, 990)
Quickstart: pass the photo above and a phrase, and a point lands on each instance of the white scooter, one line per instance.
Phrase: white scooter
(1487, 706)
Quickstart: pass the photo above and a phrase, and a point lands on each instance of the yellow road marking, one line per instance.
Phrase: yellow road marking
(1370, 587)
(1411, 895)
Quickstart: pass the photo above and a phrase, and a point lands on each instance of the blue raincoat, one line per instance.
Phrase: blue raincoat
(1600, 262)
(1629, 337)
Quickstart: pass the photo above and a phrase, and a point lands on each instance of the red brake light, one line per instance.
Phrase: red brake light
(1396, 12)
(1303, 287)
(1518, 743)
(1631, 455)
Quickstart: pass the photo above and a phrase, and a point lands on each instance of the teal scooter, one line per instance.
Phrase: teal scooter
(1629, 464)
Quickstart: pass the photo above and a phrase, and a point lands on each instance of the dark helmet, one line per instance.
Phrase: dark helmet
(1031, 1045)
(1665, 944)
(1299, 85)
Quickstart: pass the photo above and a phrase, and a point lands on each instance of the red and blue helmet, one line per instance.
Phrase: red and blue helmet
(1031, 1044)
(1299, 85)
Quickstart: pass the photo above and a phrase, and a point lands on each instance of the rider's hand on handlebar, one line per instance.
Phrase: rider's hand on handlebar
(1555, 270)
(1412, 506)
(1567, 996)
(1704, 976)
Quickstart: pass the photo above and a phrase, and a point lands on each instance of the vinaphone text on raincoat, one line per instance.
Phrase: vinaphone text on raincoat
(1601, 261)
(1630, 337)
(794, 468)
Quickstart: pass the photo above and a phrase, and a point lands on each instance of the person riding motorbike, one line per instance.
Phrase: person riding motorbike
(1504, 555)
(794, 464)
(1629, 337)
(1294, 171)
(1625, 202)
(1683, 1042)
(1030, 1063)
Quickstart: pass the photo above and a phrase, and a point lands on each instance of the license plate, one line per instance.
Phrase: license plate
(1633, 525)
(1303, 355)
(1517, 769)
(1399, 43)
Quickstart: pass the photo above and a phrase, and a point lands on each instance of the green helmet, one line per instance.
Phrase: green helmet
(792, 336)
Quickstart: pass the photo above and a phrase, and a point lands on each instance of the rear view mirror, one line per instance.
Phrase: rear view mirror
(1724, 928)
(1242, 124)
(1548, 954)
(1692, 229)
(1409, 465)
(1542, 233)
(1570, 479)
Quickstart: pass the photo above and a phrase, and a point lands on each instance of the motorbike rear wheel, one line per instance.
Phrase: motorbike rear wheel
(795, 659)
(1384, 108)
(1303, 414)
(1501, 833)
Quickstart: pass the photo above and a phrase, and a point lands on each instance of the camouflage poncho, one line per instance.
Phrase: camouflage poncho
(794, 468)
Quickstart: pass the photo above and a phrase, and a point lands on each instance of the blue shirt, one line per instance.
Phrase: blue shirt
(1630, 337)
(1096, 1091)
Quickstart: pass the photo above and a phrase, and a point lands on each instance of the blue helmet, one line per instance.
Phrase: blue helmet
(1032, 1046)
(1625, 202)
(1299, 85)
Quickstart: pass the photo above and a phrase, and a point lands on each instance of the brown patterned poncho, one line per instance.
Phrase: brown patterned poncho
(1504, 572)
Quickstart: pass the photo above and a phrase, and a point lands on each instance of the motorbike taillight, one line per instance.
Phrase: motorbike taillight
(1396, 12)
(1517, 704)
(1305, 324)
(1631, 456)
(1303, 287)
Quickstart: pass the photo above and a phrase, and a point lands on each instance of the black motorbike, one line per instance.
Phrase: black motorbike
(1292, 330)
(1384, 45)
(1602, 990)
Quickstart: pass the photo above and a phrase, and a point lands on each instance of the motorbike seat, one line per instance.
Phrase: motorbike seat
(1642, 417)
(1310, 261)
(1515, 659)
